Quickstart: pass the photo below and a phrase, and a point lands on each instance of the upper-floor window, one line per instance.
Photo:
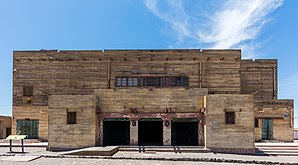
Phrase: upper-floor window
(176, 81)
(151, 81)
(28, 91)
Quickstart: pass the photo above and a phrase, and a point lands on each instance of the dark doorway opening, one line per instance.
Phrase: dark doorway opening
(116, 132)
(8, 131)
(150, 132)
(185, 133)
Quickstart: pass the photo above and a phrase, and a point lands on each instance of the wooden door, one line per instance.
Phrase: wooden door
(267, 129)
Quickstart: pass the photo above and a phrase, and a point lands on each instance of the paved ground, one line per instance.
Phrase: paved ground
(127, 158)
(79, 161)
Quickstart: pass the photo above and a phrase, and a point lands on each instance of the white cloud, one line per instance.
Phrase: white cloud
(216, 24)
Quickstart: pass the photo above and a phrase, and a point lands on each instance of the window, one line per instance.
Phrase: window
(176, 81)
(230, 117)
(71, 117)
(118, 82)
(132, 81)
(28, 91)
(151, 81)
(256, 123)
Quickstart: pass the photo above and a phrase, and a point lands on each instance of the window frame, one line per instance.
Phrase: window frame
(230, 117)
(27, 91)
(151, 81)
(71, 118)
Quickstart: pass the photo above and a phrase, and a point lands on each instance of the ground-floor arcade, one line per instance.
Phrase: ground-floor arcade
(185, 129)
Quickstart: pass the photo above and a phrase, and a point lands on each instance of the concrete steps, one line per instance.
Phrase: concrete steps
(175, 149)
(277, 149)
(94, 151)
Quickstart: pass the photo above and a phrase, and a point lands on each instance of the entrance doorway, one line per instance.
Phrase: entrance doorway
(267, 129)
(184, 132)
(116, 132)
(28, 127)
(150, 132)
(8, 131)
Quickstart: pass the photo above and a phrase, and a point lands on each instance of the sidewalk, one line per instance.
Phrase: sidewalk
(161, 156)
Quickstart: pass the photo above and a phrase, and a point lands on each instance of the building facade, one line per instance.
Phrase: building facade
(213, 98)
(5, 126)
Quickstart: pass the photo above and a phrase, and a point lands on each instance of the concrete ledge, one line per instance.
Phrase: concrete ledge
(96, 151)
(234, 150)
(174, 159)
(176, 149)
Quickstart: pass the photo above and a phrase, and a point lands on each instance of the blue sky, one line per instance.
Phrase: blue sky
(261, 28)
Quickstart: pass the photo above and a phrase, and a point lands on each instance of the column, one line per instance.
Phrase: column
(167, 132)
(134, 125)
(201, 132)
(100, 132)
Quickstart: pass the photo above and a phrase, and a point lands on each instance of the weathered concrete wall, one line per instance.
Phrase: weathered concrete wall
(5, 122)
(282, 113)
(81, 134)
(31, 70)
(79, 73)
(238, 137)
(39, 113)
(151, 100)
(259, 77)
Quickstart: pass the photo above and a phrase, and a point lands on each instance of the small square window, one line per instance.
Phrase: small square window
(230, 117)
(28, 91)
(256, 123)
(71, 117)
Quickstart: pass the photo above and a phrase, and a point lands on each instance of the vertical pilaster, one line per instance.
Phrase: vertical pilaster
(134, 125)
(167, 132)
(201, 132)
(100, 131)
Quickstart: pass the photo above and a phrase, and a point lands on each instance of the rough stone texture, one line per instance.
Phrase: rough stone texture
(81, 134)
(75, 74)
(283, 125)
(5, 122)
(39, 113)
(239, 137)
(259, 77)
(152, 100)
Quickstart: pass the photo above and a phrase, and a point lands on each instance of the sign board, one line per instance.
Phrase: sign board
(16, 137)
